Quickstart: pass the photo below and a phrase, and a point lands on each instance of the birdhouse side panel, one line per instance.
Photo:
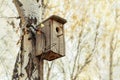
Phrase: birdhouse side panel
(40, 44)
(43, 39)
(47, 32)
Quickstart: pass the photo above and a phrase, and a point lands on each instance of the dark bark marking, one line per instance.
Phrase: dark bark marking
(19, 3)
(37, 0)
(30, 67)
(15, 71)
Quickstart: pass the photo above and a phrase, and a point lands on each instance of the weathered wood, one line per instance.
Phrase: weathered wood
(51, 39)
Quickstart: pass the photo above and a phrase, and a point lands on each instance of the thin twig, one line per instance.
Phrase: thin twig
(5, 69)
(75, 61)
(82, 67)
(49, 70)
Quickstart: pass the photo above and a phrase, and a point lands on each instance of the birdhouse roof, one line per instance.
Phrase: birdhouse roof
(56, 18)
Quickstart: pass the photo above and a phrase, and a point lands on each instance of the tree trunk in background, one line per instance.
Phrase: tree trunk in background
(27, 65)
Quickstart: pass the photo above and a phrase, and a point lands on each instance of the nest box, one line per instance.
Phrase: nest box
(50, 42)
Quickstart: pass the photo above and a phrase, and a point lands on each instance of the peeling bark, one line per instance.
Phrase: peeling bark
(27, 65)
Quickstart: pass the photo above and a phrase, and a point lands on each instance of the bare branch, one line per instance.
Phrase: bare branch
(49, 70)
(87, 61)
(112, 49)
(20, 10)
(76, 57)
(4, 68)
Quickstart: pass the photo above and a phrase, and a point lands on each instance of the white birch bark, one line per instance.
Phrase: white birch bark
(27, 65)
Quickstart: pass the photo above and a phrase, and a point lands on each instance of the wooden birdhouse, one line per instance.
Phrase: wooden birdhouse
(50, 42)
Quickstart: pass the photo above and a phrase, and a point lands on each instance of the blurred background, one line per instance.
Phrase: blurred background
(91, 35)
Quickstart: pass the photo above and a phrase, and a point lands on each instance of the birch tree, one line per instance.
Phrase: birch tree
(27, 65)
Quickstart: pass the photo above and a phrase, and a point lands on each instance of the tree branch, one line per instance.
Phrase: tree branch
(20, 10)
(76, 57)
(87, 61)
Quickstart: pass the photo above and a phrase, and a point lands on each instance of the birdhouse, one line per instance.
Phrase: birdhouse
(50, 43)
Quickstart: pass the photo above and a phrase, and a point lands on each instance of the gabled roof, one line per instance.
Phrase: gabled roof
(56, 18)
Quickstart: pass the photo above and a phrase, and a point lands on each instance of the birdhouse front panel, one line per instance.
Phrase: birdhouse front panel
(53, 33)
(57, 38)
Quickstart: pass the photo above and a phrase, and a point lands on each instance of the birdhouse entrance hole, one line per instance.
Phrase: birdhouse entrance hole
(57, 29)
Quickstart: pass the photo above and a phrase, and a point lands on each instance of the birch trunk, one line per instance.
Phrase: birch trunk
(27, 65)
